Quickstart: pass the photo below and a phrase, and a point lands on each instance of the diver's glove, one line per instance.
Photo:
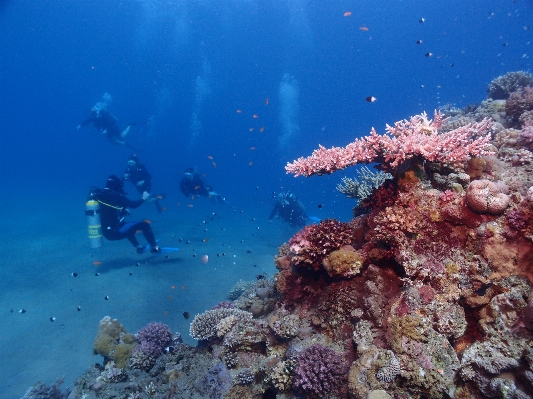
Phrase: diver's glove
(146, 195)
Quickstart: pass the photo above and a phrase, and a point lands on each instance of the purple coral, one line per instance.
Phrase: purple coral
(154, 337)
(320, 370)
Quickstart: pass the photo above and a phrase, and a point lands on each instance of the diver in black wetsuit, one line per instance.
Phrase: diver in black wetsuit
(113, 209)
(137, 173)
(192, 185)
(104, 121)
(290, 210)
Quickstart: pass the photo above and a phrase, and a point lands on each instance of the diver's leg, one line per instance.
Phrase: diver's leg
(147, 232)
(125, 132)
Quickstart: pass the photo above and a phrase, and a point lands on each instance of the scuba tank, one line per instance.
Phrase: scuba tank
(94, 227)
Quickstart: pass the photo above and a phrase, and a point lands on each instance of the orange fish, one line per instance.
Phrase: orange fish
(239, 111)
(159, 197)
(192, 196)
(347, 13)
(170, 298)
(190, 205)
(214, 164)
(252, 148)
(137, 231)
(209, 157)
(363, 28)
(97, 263)
(164, 208)
(262, 129)
(179, 203)
(250, 163)
(205, 240)
(147, 221)
(197, 187)
(183, 287)
(255, 116)
(266, 101)
(173, 287)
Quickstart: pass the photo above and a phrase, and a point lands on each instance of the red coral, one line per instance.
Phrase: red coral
(311, 245)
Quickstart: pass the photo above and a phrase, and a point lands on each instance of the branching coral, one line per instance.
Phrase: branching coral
(319, 371)
(501, 87)
(206, 325)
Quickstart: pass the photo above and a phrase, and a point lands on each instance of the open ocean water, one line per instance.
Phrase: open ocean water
(235, 88)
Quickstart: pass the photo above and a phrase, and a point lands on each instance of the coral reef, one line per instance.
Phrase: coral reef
(41, 391)
(427, 294)
(501, 87)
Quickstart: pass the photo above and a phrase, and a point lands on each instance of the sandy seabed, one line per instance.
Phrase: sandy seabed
(44, 242)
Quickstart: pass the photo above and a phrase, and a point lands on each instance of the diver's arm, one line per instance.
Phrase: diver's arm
(85, 122)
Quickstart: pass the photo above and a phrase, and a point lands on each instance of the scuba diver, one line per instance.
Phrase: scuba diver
(113, 210)
(104, 121)
(192, 185)
(137, 174)
(289, 209)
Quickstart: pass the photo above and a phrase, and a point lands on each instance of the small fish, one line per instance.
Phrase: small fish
(214, 165)
(370, 99)
(164, 208)
(196, 187)
(428, 54)
(239, 111)
(422, 20)
(260, 276)
(527, 27)
(96, 274)
(363, 28)
(262, 129)
(204, 259)
(347, 13)
(266, 101)
(52, 319)
(159, 197)
(173, 287)
(251, 129)
(74, 274)
(169, 349)
(131, 274)
(79, 308)
(255, 116)
(209, 157)
(190, 205)
(205, 240)
(106, 297)
(170, 298)
(147, 221)
(483, 289)
(320, 206)
(22, 311)
(419, 42)
(252, 148)
(186, 315)
(183, 287)
(505, 44)
(250, 163)
(97, 263)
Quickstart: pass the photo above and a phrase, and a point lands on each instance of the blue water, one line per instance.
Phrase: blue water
(187, 67)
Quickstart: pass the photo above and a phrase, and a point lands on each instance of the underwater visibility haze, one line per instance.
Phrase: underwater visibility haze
(401, 284)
